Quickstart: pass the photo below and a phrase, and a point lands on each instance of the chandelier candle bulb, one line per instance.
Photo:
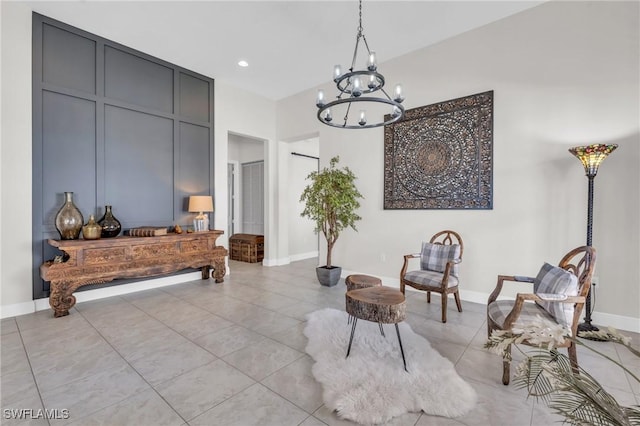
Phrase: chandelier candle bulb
(337, 72)
(327, 116)
(357, 87)
(372, 82)
(398, 93)
(320, 98)
(371, 63)
(363, 118)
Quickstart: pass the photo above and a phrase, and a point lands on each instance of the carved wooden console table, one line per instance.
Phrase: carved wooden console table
(99, 261)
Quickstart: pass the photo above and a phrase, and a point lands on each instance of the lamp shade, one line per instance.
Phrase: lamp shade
(200, 203)
(592, 155)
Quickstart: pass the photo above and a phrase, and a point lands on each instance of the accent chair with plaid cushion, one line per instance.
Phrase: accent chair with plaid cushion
(559, 294)
(439, 262)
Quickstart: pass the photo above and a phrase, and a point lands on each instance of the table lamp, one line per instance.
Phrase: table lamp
(201, 204)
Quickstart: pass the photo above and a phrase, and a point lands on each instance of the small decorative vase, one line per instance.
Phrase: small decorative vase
(91, 231)
(110, 225)
(69, 219)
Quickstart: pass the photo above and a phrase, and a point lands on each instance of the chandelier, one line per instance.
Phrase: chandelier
(357, 89)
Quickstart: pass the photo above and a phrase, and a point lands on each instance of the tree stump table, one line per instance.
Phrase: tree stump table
(383, 305)
(356, 281)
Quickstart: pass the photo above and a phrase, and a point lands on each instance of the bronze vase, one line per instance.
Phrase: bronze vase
(91, 231)
(69, 219)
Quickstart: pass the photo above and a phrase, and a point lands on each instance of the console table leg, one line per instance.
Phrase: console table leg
(205, 272)
(61, 298)
(219, 270)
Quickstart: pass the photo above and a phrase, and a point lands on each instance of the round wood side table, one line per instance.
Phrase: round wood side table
(383, 305)
(357, 281)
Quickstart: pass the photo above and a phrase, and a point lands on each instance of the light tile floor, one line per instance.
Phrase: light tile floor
(201, 353)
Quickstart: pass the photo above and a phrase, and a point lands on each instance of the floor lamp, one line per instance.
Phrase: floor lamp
(591, 156)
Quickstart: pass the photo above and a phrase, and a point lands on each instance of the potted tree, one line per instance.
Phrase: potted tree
(331, 200)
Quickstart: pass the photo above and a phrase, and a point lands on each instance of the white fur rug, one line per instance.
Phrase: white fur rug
(371, 386)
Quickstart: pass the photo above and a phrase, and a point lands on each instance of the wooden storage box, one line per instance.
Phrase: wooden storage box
(247, 247)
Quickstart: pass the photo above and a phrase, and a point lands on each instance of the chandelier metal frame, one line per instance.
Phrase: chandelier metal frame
(352, 85)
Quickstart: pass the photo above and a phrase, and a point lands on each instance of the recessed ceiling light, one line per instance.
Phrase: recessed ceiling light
(243, 63)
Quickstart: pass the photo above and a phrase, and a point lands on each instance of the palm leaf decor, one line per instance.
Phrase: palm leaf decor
(547, 375)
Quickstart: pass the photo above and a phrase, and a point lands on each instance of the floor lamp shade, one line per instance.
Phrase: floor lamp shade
(201, 204)
(591, 157)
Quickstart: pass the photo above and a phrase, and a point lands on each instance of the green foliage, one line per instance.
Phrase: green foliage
(331, 201)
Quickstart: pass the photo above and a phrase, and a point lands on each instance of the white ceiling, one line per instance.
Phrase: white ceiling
(291, 46)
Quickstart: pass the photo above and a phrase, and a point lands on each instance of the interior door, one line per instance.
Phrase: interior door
(231, 211)
(253, 198)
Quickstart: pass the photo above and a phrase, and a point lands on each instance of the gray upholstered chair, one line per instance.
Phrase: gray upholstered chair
(439, 272)
(558, 296)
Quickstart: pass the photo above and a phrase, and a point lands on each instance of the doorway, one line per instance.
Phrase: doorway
(231, 197)
(246, 183)
(252, 177)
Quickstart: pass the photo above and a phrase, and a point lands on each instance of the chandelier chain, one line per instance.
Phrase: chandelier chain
(359, 35)
(355, 53)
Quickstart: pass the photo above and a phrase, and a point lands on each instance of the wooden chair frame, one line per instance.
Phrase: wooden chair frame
(446, 237)
(579, 261)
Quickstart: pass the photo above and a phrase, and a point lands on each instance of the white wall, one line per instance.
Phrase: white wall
(563, 74)
(232, 106)
(303, 241)
(245, 150)
(15, 194)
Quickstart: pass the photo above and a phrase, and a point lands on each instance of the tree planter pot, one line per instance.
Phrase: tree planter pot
(328, 276)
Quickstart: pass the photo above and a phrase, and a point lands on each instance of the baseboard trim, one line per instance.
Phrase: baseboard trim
(303, 256)
(604, 320)
(276, 262)
(100, 293)
(287, 260)
(17, 309)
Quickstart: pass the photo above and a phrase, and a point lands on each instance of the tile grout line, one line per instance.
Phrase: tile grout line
(217, 358)
(26, 353)
(131, 366)
(302, 355)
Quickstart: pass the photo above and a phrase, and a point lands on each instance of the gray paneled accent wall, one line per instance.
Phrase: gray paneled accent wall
(117, 127)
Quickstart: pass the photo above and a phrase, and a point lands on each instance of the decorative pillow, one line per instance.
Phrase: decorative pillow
(434, 257)
(553, 280)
